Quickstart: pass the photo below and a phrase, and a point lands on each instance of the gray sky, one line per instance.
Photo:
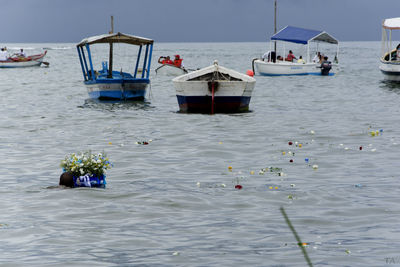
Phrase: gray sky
(37, 21)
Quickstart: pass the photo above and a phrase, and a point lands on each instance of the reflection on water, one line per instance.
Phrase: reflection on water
(391, 86)
(112, 105)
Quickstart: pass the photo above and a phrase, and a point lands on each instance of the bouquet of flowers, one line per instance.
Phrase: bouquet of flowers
(86, 163)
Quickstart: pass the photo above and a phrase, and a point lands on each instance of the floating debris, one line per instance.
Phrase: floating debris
(252, 172)
(144, 142)
(290, 143)
(361, 148)
(238, 187)
(230, 168)
(290, 160)
(312, 132)
(358, 185)
(176, 253)
(315, 166)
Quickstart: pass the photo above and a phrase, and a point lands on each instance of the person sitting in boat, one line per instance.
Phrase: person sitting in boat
(178, 61)
(3, 54)
(165, 60)
(301, 60)
(22, 53)
(290, 57)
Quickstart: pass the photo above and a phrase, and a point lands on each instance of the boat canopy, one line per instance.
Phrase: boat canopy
(115, 38)
(302, 36)
(391, 24)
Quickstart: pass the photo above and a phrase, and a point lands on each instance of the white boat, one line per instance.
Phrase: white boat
(390, 56)
(22, 62)
(271, 66)
(214, 89)
(170, 70)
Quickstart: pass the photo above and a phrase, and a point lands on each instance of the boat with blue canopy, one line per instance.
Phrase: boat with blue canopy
(273, 65)
(107, 83)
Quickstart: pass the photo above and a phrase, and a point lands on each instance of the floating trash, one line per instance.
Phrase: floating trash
(238, 187)
(306, 160)
(292, 185)
(291, 160)
(144, 142)
(300, 145)
(312, 132)
(361, 148)
(347, 251)
(290, 143)
(283, 153)
(358, 185)
(198, 184)
(230, 168)
(176, 253)
(315, 166)
(252, 172)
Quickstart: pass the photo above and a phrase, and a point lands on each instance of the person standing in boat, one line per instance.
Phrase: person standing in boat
(3, 54)
(317, 57)
(178, 61)
(290, 57)
(165, 60)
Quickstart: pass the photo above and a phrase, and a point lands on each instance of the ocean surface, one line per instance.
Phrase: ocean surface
(173, 202)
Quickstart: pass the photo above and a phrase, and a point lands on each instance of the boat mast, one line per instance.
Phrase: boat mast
(110, 66)
(275, 27)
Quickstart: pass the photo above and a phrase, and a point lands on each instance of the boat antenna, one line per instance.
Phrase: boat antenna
(110, 66)
(275, 7)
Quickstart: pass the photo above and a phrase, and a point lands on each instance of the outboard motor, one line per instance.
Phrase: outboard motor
(326, 66)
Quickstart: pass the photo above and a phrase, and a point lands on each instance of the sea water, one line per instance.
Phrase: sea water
(173, 202)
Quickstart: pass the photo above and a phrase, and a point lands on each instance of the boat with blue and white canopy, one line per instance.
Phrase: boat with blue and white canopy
(272, 66)
(109, 84)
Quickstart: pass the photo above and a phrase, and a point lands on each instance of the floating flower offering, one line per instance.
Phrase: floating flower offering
(87, 169)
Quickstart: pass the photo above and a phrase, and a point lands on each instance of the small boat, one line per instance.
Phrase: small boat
(214, 89)
(390, 59)
(16, 61)
(170, 70)
(271, 66)
(107, 84)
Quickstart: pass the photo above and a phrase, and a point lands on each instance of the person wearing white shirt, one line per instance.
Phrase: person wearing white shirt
(22, 53)
(3, 55)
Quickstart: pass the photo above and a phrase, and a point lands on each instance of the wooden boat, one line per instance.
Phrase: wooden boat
(271, 66)
(118, 85)
(170, 70)
(214, 89)
(390, 59)
(16, 61)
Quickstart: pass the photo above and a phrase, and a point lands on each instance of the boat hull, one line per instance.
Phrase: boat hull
(170, 70)
(288, 68)
(390, 70)
(30, 61)
(229, 97)
(118, 89)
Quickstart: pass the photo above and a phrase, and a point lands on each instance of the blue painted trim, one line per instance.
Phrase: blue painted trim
(297, 74)
(86, 66)
(90, 61)
(137, 61)
(145, 61)
(119, 81)
(391, 73)
(81, 61)
(137, 94)
(148, 67)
